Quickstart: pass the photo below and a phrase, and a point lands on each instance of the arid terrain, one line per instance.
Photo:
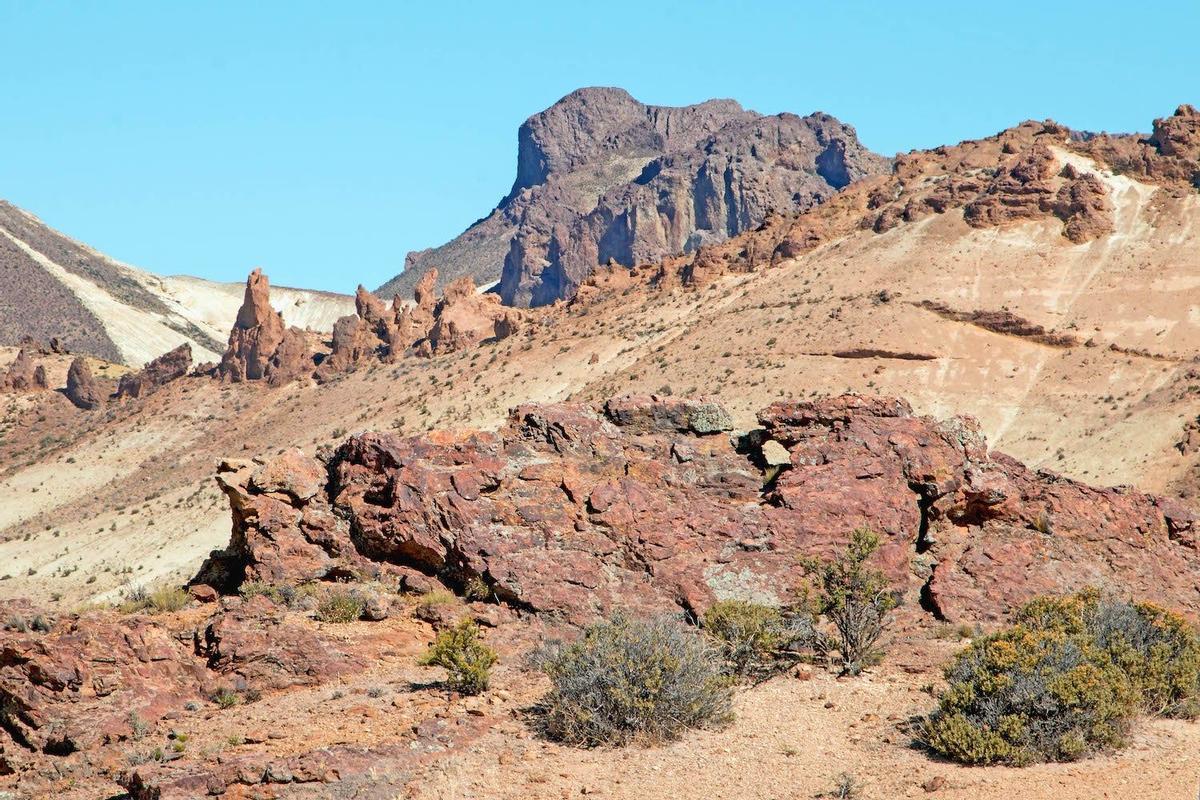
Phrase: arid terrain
(1043, 282)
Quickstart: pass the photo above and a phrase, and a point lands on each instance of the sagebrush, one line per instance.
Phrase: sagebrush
(631, 680)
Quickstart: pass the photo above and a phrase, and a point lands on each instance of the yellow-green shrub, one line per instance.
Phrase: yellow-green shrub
(757, 639)
(1065, 681)
(467, 660)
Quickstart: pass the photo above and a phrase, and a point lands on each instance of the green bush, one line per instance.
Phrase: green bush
(1065, 682)
(467, 660)
(857, 599)
(758, 640)
(625, 681)
(341, 605)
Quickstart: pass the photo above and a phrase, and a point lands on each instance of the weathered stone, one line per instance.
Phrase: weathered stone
(81, 386)
(167, 367)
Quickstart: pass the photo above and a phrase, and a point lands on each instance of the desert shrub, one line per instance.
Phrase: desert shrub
(225, 697)
(466, 659)
(857, 600)
(758, 640)
(627, 680)
(1066, 681)
(340, 605)
(164, 599)
(476, 588)
(1156, 648)
(260, 589)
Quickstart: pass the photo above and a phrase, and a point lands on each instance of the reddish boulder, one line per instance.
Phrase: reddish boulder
(82, 389)
(463, 318)
(23, 375)
(167, 367)
(572, 511)
(260, 347)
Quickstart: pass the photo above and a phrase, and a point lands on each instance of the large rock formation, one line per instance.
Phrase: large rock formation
(648, 504)
(82, 389)
(603, 177)
(461, 319)
(260, 347)
(162, 370)
(22, 375)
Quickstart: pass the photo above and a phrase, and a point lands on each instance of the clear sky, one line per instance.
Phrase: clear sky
(322, 141)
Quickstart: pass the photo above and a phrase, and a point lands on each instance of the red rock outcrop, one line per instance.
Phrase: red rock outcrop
(260, 347)
(23, 375)
(162, 370)
(71, 684)
(1170, 155)
(463, 318)
(82, 389)
(644, 504)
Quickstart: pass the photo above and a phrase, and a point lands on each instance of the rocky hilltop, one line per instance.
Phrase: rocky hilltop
(602, 177)
(55, 288)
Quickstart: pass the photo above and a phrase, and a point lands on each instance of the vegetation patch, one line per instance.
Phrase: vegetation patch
(1065, 681)
(625, 681)
(462, 653)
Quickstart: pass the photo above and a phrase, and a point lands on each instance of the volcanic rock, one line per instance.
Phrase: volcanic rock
(259, 345)
(602, 176)
(81, 386)
(573, 510)
(167, 367)
(23, 375)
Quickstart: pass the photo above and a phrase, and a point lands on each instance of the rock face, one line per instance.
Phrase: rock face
(162, 370)
(77, 682)
(1170, 155)
(1027, 189)
(260, 347)
(647, 504)
(81, 386)
(601, 176)
(23, 375)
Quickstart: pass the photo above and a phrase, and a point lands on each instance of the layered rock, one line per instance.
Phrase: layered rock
(170, 366)
(1169, 155)
(82, 389)
(646, 504)
(601, 176)
(1028, 188)
(260, 346)
(23, 375)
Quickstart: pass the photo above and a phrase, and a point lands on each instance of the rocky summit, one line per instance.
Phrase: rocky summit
(603, 178)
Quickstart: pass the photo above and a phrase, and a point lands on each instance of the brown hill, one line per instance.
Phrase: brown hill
(1074, 356)
(603, 177)
(1042, 281)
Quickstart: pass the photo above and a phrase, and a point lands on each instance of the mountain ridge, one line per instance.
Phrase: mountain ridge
(602, 176)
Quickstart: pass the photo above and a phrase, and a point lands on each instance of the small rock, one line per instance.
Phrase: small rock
(935, 784)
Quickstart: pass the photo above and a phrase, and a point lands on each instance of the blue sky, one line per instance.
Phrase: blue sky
(322, 141)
